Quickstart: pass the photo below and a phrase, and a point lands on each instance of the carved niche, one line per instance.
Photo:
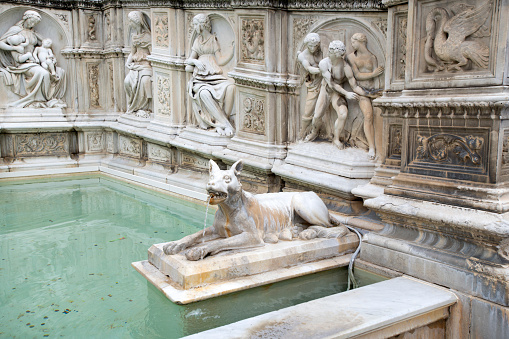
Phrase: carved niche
(163, 95)
(253, 45)
(253, 114)
(161, 30)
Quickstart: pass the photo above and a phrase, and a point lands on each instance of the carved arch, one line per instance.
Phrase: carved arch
(373, 35)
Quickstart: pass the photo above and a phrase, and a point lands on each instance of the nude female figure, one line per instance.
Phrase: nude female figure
(365, 69)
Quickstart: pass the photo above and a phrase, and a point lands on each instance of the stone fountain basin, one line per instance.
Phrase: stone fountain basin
(184, 281)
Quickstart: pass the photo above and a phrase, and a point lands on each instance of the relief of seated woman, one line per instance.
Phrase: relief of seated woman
(211, 92)
(35, 86)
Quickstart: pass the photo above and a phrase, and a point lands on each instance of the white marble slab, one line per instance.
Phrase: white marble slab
(383, 309)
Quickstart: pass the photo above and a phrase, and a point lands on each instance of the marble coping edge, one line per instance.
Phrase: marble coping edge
(182, 297)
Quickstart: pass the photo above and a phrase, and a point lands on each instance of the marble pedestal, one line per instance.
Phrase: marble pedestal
(184, 281)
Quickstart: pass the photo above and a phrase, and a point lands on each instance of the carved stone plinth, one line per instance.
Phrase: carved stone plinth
(462, 248)
(185, 281)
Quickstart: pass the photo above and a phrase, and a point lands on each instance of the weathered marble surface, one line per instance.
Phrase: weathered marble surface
(382, 310)
(184, 281)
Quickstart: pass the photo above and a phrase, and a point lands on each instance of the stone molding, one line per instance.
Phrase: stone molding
(320, 5)
(436, 108)
(265, 82)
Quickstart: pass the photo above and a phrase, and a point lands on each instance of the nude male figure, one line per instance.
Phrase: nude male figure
(309, 60)
(335, 71)
(365, 70)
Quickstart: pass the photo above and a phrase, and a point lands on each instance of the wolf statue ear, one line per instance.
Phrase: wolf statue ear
(213, 166)
(237, 167)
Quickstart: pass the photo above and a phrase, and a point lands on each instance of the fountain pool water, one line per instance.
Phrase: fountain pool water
(66, 247)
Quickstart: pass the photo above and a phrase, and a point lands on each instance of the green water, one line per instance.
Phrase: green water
(66, 248)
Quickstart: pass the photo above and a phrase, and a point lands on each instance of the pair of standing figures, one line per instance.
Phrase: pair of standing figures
(324, 82)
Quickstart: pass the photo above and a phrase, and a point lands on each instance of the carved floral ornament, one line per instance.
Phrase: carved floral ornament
(449, 148)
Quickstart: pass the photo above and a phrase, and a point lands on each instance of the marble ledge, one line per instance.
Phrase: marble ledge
(463, 218)
(383, 309)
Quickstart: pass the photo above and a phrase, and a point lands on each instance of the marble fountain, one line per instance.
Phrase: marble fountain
(382, 117)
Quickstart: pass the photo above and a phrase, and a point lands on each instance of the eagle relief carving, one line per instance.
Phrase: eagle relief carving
(446, 47)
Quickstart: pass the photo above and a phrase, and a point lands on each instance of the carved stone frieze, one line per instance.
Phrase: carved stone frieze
(301, 27)
(93, 85)
(31, 144)
(253, 114)
(129, 146)
(158, 153)
(335, 5)
(395, 142)
(95, 142)
(193, 161)
(253, 46)
(161, 30)
(450, 149)
(450, 108)
(163, 95)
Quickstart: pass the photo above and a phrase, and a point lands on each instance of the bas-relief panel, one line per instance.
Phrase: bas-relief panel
(95, 142)
(32, 144)
(158, 153)
(93, 85)
(454, 40)
(505, 155)
(163, 88)
(448, 151)
(252, 113)
(399, 52)
(161, 36)
(193, 161)
(252, 40)
(395, 142)
(129, 146)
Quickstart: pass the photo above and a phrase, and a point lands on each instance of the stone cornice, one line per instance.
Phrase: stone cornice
(277, 81)
(448, 107)
(92, 53)
(307, 5)
(175, 62)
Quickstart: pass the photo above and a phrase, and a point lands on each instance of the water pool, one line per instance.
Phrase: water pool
(66, 247)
